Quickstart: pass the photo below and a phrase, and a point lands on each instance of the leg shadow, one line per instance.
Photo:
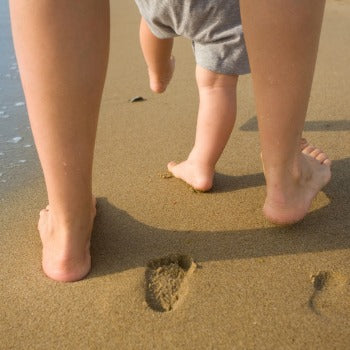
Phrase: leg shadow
(120, 242)
(311, 125)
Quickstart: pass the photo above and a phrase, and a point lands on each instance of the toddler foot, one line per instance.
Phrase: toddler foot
(159, 81)
(66, 250)
(289, 203)
(198, 176)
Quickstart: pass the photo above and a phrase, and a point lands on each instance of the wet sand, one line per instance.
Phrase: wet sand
(17, 151)
(256, 286)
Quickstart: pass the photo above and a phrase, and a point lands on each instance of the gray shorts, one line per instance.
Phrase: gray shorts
(214, 26)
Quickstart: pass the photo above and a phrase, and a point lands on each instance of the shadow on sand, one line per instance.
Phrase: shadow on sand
(311, 125)
(120, 242)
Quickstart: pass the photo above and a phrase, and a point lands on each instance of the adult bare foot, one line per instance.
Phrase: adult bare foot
(159, 81)
(289, 200)
(66, 250)
(198, 176)
(315, 152)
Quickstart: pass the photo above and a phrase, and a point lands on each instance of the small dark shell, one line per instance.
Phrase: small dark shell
(137, 99)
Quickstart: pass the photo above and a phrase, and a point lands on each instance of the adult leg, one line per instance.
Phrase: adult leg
(62, 50)
(157, 54)
(216, 118)
(282, 40)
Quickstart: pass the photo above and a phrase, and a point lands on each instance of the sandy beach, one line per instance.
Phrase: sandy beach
(253, 285)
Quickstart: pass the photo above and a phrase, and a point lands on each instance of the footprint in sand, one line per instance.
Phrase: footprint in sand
(167, 281)
(331, 295)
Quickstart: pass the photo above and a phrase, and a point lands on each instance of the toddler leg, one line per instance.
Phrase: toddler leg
(157, 54)
(282, 41)
(216, 118)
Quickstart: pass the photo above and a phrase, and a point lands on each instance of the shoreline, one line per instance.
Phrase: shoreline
(18, 159)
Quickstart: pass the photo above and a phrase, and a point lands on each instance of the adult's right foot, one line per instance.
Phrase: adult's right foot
(66, 250)
(289, 200)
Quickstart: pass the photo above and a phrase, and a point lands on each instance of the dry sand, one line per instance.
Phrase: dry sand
(259, 286)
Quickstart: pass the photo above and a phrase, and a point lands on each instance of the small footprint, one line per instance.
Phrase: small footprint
(166, 175)
(331, 295)
(167, 281)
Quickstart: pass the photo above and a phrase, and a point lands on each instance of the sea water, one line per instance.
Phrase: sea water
(18, 159)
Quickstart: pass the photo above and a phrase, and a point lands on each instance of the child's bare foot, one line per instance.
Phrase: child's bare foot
(289, 202)
(66, 251)
(159, 81)
(200, 177)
